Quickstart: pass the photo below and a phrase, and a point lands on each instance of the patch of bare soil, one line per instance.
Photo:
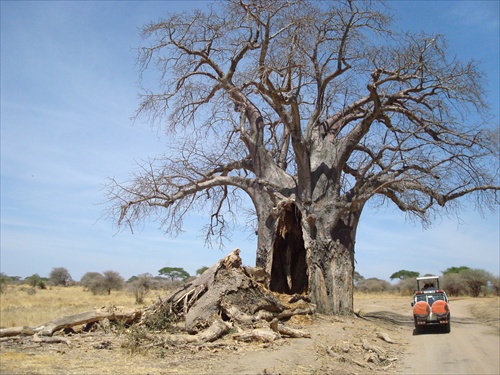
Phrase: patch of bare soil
(345, 345)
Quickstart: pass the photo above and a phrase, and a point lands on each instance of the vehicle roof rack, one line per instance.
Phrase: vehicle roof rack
(427, 278)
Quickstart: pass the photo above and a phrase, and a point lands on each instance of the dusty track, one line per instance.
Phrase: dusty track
(470, 348)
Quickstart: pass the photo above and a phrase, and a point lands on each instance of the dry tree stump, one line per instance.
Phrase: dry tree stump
(228, 292)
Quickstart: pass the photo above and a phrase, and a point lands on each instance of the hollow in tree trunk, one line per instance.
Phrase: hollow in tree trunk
(312, 257)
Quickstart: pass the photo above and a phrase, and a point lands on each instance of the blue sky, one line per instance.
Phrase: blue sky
(68, 89)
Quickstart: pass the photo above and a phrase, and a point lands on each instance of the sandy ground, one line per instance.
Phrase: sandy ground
(340, 345)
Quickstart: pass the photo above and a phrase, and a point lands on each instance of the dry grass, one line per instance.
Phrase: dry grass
(487, 310)
(19, 306)
(380, 295)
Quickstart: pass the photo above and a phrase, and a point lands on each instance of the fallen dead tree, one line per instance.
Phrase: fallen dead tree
(226, 297)
(116, 314)
(229, 293)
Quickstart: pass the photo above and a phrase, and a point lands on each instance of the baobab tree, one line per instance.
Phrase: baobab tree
(310, 109)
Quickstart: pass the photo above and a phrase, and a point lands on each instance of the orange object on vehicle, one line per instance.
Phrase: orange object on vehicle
(421, 308)
(440, 308)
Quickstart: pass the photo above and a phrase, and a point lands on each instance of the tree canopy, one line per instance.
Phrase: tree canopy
(60, 276)
(174, 273)
(403, 274)
(455, 270)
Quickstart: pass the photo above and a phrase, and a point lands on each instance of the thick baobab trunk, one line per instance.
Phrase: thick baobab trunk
(312, 257)
(331, 267)
(331, 263)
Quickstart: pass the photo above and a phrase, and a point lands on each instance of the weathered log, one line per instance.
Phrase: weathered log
(123, 315)
(16, 331)
(218, 329)
(307, 310)
(51, 340)
(259, 334)
(236, 314)
(384, 336)
(292, 332)
(373, 348)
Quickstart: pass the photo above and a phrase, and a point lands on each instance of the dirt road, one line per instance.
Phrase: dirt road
(470, 348)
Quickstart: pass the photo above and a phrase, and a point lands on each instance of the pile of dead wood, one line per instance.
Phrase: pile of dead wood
(227, 297)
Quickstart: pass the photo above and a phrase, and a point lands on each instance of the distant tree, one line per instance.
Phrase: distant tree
(455, 270)
(495, 285)
(60, 276)
(132, 279)
(200, 271)
(453, 283)
(141, 286)
(88, 278)
(113, 281)
(475, 280)
(357, 278)
(174, 273)
(403, 274)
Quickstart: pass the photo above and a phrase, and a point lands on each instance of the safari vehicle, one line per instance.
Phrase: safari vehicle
(430, 305)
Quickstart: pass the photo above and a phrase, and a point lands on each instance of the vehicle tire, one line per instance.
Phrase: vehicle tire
(447, 327)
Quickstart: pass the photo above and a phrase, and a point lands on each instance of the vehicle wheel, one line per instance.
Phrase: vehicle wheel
(447, 327)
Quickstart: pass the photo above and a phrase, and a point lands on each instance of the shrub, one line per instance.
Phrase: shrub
(495, 285)
(141, 286)
(373, 285)
(97, 285)
(87, 279)
(453, 284)
(406, 286)
(4, 280)
(36, 281)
